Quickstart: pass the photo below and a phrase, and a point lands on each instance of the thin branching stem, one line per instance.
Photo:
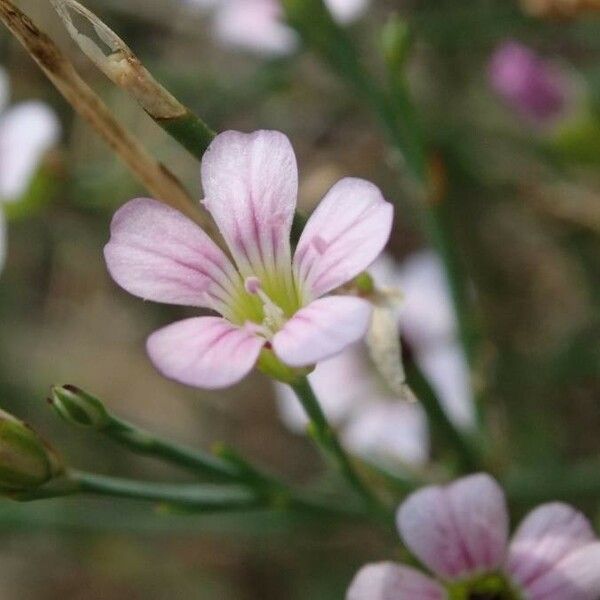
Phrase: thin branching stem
(326, 439)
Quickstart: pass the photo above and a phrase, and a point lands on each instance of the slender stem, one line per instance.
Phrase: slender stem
(189, 130)
(397, 113)
(194, 496)
(321, 33)
(143, 442)
(328, 441)
(462, 445)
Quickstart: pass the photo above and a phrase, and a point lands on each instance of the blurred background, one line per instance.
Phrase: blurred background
(508, 96)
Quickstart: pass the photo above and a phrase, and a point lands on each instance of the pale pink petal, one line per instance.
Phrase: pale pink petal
(446, 368)
(346, 11)
(344, 235)
(157, 253)
(27, 131)
(546, 536)
(427, 316)
(388, 433)
(342, 383)
(576, 577)
(3, 233)
(251, 185)
(254, 25)
(322, 329)
(389, 581)
(205, 352)
(458, 530)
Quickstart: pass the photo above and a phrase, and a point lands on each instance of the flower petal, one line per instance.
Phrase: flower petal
(321, 330)
(204, 352)
(427, 315)
(388, 433)
(546, 536)
(577, 577)
(389, 581)
(251, 186)
(346, 11)
(446, 368)
(157, 253)
(344, 235)
(27, 131)
(458, 530)
(254, 25)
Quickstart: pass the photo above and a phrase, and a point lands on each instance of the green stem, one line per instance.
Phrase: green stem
(463, 446)
(194, 496)
(318, 29)
(397, 113)
(327, 440)
(190, 131)
(144, 442)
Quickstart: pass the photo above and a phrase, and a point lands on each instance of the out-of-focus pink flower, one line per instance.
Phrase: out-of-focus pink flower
(460, 533)
(428, 324)
(373, 421)
(27, 131)
(535, 88)
(274, 308)
(258, 25)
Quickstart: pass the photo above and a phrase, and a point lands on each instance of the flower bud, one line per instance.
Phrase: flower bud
(535, 88)
(78, 407)
(26, 461)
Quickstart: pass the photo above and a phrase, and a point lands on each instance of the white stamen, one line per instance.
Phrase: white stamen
(274, 315)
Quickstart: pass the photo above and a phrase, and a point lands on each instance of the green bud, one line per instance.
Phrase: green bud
(396, 42)
(78, 407)
(26, 461)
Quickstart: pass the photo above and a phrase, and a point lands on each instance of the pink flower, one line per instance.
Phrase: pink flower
(460, 533)
(259, 26)
(273, 307)
(535, 88)
(27, 131)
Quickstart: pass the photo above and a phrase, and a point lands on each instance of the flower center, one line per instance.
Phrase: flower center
(274, 316)
(486, 587)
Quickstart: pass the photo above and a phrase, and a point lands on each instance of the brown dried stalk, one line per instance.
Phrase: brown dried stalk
(118, 62)
(159, 181)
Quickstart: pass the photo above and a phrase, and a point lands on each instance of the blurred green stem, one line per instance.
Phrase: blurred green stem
(327, 440)
(206, 497)
(439, 226)
(144, 442)
(195, 496)
(397, 113)
(462, 444)
(318, 29)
